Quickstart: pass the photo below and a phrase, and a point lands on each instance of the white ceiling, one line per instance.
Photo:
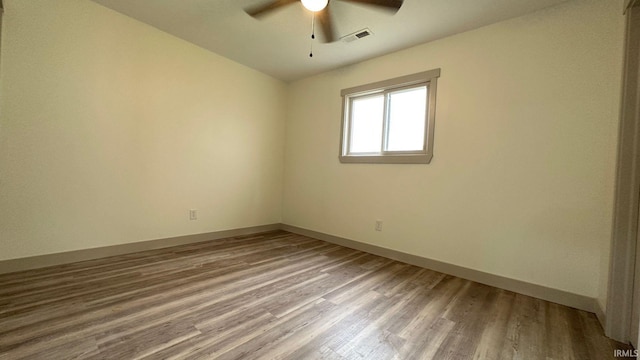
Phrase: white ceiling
(278, 44)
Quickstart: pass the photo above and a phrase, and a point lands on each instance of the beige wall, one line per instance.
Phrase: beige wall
(110, 131)
(521, 183)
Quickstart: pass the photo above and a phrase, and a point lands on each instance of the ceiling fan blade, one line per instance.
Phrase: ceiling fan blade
(326, 23)
(260, 10)
(388, 4)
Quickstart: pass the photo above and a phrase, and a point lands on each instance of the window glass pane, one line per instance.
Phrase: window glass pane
(366, 124)
(407, 110)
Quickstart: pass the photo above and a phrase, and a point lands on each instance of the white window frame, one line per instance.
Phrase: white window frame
(423, 156)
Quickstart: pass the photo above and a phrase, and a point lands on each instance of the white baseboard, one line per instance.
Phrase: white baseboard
(521, 287)
(600, 313)
(34, 262)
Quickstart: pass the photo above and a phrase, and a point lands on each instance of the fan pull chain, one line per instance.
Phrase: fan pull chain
(313, 32)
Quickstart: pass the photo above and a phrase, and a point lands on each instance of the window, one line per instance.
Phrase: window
(390, 121)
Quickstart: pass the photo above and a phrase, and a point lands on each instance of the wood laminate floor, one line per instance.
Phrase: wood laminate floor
(278, 296)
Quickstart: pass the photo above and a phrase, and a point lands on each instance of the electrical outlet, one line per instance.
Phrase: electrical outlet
(193, 214)
(378, 225)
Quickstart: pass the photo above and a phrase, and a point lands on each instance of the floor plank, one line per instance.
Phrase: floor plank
(278, 295)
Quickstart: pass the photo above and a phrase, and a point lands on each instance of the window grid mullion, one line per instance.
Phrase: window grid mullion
(385, 123)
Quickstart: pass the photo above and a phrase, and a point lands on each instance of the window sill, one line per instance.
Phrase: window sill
(387, 159)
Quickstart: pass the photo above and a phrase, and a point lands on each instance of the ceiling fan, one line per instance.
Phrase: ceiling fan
(321, 10)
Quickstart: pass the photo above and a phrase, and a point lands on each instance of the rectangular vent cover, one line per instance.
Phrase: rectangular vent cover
(357, 35)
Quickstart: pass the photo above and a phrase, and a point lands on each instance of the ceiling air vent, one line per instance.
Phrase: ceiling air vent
(356, 35)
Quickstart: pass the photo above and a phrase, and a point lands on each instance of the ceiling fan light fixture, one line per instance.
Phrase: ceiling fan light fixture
(315, 5)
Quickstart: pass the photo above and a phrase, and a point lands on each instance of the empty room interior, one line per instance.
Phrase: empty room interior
(418, 179)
